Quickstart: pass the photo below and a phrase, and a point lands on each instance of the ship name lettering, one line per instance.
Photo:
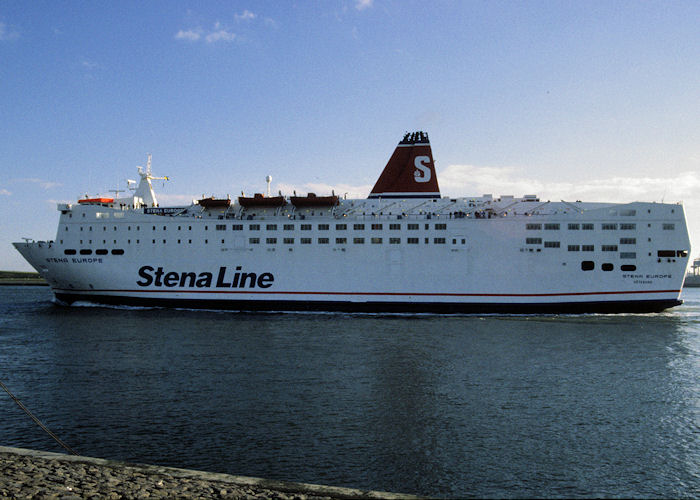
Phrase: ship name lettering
(86, 260)
(188, 279)
(57, 260)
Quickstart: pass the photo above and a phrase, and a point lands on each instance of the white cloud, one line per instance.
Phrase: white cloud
(220, 34)
(363, 4)
(245, 16)
(5, 192)
(461, 180)
(44, 184)
(191, 35)
(7, 32)
(217, 34)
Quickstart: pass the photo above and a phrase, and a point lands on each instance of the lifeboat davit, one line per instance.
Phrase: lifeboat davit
(259, 200)
(311, 200)
(212, 202)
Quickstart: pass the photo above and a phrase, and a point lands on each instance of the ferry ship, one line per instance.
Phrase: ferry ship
(405, 248)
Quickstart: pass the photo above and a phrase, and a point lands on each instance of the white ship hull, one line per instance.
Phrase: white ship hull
(465, 255)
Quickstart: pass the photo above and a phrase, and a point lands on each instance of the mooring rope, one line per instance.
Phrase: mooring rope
(38, 422)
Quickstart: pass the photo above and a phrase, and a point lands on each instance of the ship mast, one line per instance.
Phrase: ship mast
(145, 189)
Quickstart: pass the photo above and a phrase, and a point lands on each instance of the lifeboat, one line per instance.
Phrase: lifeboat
(259, 200)
(311, 200)
(88, 201)
(215, 202)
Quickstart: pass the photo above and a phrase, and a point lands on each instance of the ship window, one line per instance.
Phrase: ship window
(237, 227)
(427, 240)
(666, 253)
(533, 241)
(628, 255)
(551, 226)
(376, 227)
(552, 244)
(628, 267)
(341, 241)
(439, 241)
(306, 227)
(179, 228)
(164, 228)
(628, 212)
(394, 241)
(206, 228)
(81, 229)
(66, 228)
(271, 227)
(117, 251)
(323, 227)
(607, 267)
(180, 241)
(138, 228)
(574, 227)
(138, 241)
(609, 226)
(253, 241)
(306, 241)
(288, 227)
(271, 241)
(154, 228)
(189, 228)
(101, 251)
(667, 226)
(628, 241)
(358, 227)
(412, 241)
(341, 227)
(395, 227)
(587, 248)
(609, 248)
(413, 227)
(427, 226)
(587, 265)
(104, 228)
(376, 241)
(222, 241)
(221, 227)
(288, 241)
(440, 227)
(254, 227)
(154, 242)
(587, 227)
(574, 248)
(165, 241)
(323, 241)
(85, 251)
(628, 227)
(533, 226)
(358, 241)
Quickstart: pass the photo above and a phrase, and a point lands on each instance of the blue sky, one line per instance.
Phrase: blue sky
(597, 101)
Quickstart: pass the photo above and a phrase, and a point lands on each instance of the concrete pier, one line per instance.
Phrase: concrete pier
(37, 474)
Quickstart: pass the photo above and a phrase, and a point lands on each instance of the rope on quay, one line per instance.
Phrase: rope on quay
(38, 422)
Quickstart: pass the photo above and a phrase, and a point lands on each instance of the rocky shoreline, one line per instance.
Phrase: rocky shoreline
(35, 474)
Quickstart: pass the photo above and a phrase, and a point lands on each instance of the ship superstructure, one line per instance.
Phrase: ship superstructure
(405, 248)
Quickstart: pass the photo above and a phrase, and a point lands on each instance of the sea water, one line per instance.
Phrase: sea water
(458, 406)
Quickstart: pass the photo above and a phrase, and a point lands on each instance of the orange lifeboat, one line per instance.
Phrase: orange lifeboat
(96, 200)
(259, 200)
(311, 200)
(214, 202)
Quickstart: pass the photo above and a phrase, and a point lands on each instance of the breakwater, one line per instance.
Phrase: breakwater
(37, 474)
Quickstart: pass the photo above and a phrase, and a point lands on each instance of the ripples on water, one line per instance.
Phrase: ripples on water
(498, 406)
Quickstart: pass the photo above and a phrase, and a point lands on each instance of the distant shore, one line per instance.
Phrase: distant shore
(21, 278)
